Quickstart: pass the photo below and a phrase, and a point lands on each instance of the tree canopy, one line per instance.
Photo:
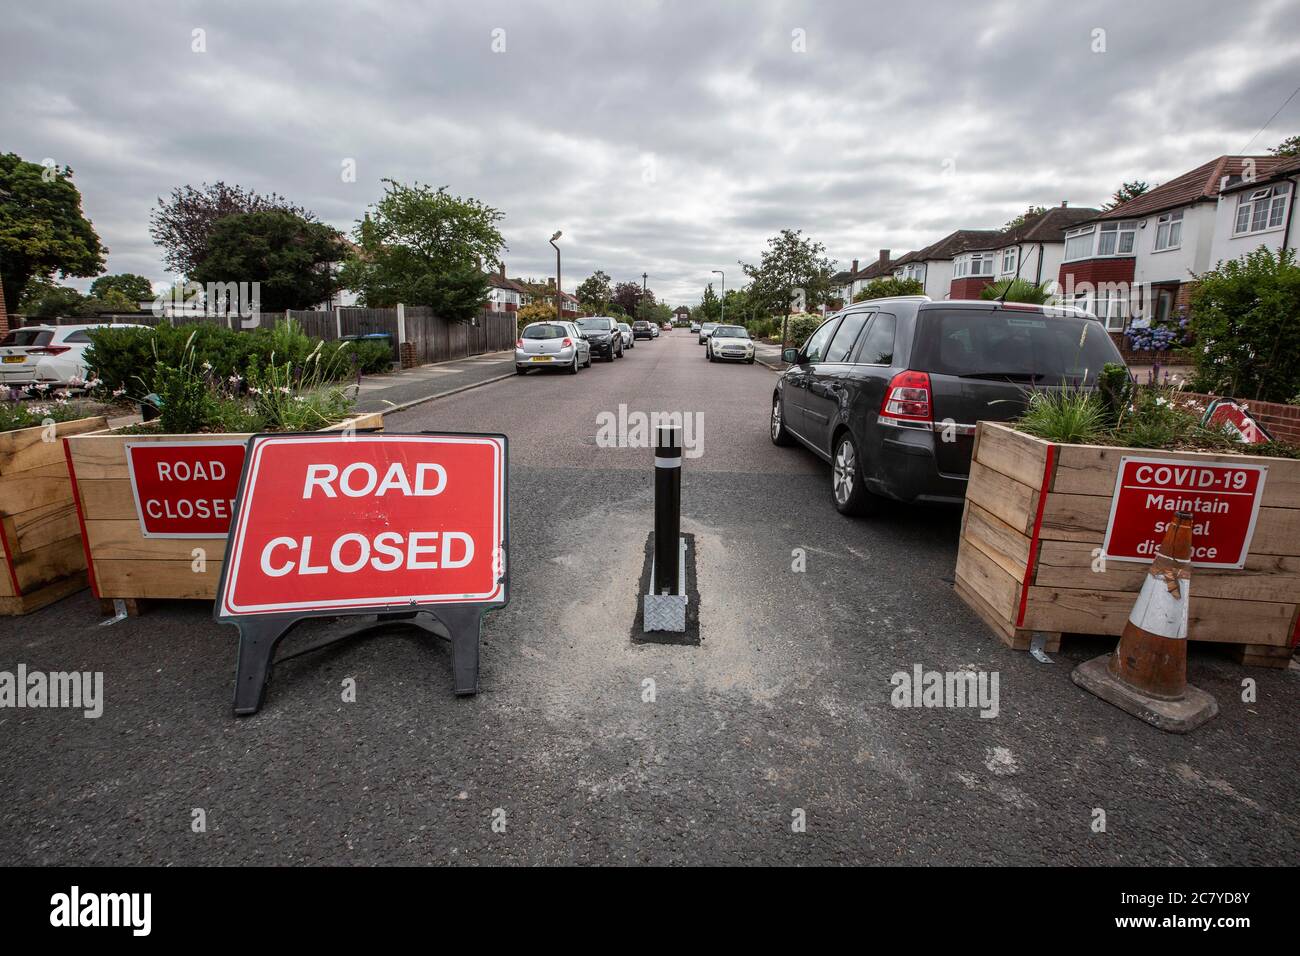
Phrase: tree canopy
(183, 222)
(1126, 192)
(595, 293)
(792, 274)
(287, 255)
(42, 229)
(134, 288)
(887, 287)
(423, 246)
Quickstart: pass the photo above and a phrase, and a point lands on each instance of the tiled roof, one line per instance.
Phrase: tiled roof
(1200, 184)
(1049, 226)
(875, 269)
(1288, 166)
(954, 244)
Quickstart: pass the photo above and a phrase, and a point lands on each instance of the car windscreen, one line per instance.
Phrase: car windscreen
(545, 332)
(730, 332)
(596, 325)
(28, 337)
(1026, 346)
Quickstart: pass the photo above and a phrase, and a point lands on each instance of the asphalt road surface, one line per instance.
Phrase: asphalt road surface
(781, 716)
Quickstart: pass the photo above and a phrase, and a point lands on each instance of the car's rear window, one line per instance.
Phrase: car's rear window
(545, 332)
(81, 335)
(29, 337)
(1025, 346)
(596, 325)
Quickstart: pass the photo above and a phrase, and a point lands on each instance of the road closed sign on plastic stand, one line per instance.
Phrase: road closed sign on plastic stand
(406, 528)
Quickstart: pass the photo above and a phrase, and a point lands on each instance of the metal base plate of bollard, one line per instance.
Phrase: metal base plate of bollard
(667, 612)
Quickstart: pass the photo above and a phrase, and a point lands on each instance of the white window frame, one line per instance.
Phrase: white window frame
(1170, 226)
(1124, 231)
(1273, 199)
(1010, 255)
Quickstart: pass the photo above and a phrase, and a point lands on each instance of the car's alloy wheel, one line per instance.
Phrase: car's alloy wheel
(573, 369)
(847, 486)
(780, 436)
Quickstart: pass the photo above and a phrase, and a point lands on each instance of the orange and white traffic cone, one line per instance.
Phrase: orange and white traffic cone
(1147, 674)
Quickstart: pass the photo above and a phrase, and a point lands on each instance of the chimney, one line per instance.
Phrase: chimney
(884, 257)
(1064, 203)
(550, 282)
(854, 270)
(502, 267)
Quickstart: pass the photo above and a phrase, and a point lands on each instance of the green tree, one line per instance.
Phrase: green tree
(1126, 192)
(134, 288)
(1028, 214)
(1017, 290)
(183, 222)
(887, 287)
(42, 229)
(1288, 147)
(422, 246)
(1245, 316)
(595, 293)
(288, 256)
(792, 274)
(710, 307)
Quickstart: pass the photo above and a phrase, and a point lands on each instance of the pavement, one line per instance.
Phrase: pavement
(383, 393)
(774, 741)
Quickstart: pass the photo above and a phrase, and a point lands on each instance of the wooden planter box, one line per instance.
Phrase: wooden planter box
(1035, 520)
(123, 563)
(39, 534)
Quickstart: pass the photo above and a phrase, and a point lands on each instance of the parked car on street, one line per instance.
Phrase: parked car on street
(730, 343)
(602, 334)
(629, 339)
(695, 327)
(654, 330)
(706, 330)
(554, 344)
(890, 390)
(50, 355)
(641, 329)
(667, 326)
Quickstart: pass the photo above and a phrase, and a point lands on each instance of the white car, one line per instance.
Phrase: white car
(52, 355)
(730, 343)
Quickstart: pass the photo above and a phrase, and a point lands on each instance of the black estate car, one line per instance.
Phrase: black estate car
(889, 390)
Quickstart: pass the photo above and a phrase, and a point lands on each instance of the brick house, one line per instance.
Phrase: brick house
(1137, 260)
(965, 254)
(882, 267)
(504, 295)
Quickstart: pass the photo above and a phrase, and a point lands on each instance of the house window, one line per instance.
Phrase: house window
(1078, 244)
(1108, 305)
(1112, 239)
(1009, 260)
(1169, 231)
(1261, 209)
(973, 264)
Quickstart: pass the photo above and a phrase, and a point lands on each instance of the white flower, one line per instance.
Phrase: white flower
(254, 390)
(118, 392)
(285, 389)
(235, 379)
(207, 366)
(1162, 401)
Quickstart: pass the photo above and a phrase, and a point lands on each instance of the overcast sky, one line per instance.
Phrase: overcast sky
(668, 138)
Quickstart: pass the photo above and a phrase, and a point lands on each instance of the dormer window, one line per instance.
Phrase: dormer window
(1261, 209)
(1100, 240)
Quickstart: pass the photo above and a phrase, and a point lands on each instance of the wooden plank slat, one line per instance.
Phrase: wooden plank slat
(1012, 502)
(43, 565)
(1266, 577)
(121, 540)
(35, 488)
(1009, 452)
(156, 579)
(999, 589)
(998, 540)
(1209, 619)
(40, 526)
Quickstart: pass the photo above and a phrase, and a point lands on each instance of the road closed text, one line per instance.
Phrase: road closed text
(370, 520)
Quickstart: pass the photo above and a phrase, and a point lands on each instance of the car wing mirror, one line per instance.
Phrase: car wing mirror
(790, 356)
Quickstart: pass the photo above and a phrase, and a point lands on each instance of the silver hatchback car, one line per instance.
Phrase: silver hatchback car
(554, 344)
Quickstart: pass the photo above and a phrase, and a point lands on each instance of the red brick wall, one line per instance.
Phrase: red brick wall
(968, 287)
(1279, 420)
(1097, 270)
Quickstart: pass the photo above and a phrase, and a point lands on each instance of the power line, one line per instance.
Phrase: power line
(1270, 119)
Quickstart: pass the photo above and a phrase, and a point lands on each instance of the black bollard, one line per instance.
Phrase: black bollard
(668, 510)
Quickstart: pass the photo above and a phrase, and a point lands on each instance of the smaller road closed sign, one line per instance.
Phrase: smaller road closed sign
(1223, 500)
(184, 489)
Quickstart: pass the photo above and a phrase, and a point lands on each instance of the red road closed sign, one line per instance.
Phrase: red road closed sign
(185, 489)
(1223, 500)
(329, 524)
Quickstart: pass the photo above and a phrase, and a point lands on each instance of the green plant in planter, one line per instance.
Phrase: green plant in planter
(1115, 388)
(1070, 416)
(21, 414)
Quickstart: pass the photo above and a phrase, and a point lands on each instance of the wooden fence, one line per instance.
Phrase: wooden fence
(427, 337)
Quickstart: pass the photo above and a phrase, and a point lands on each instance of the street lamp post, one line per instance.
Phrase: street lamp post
(724, 294)
(559, 285)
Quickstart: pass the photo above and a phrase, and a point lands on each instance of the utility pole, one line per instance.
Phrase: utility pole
(559, 284)
(724, 294)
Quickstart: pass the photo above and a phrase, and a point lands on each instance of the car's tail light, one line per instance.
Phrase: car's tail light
(566, 343)
(519, 344)
(908, 398)
(50, 350)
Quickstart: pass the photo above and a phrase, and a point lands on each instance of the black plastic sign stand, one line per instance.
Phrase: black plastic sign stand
(259, 634)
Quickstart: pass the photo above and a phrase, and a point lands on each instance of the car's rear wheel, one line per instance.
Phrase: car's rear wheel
(780, 434)
(848, 489)
(573, 366)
